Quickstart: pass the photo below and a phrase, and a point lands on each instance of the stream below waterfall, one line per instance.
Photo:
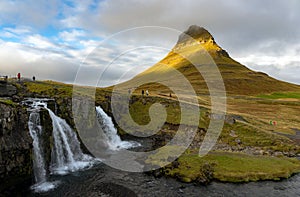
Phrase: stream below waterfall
(73, 173)
(102, 180)
(105, 181)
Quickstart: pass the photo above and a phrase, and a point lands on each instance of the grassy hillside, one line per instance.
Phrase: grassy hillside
(238, 79)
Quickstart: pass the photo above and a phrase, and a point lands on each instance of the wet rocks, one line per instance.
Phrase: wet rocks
(7, 90)
(15, 145)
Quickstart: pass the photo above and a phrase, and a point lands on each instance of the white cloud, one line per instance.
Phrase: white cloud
(6, 34)
(253, 31)
(17, 32)
(32, 61)
(20, 30)
(39, 41)
(260, 34)
(28, 12)
(282, 62)
(73, 35)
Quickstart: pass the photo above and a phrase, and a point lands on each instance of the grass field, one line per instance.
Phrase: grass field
(228, 167)
(279, 95)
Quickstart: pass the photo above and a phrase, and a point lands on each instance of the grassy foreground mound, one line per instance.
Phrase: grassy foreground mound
(227, 167)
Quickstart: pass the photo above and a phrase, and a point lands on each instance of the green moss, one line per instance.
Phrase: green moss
(8, 102)
(50, 88)
(254, 137)
(235, 167)
(278, 95)
(232, 167)
(162, 155)
(191, 168)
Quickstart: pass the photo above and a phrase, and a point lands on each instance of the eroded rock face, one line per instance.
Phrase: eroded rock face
(15, 145)
(195, 32)
(7, 89)
(195, 35)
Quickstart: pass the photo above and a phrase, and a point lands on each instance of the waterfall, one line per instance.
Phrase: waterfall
(66, 154)
(35, 130)
(39, 166)
(113, 140)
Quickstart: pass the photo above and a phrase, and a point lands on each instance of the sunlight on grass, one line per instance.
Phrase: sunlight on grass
(235, 167)
(278, 95)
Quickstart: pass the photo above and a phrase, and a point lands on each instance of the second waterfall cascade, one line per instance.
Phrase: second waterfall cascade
(113, 140)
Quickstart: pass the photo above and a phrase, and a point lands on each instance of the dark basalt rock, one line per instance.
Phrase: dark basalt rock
(195, 32)
(15, 146)
(7, 89)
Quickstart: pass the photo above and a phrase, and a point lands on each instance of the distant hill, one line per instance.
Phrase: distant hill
(238, 79)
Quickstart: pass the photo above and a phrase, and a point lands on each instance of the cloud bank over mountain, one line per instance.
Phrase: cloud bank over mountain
(50, 39)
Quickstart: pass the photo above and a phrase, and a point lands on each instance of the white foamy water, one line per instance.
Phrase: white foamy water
(44, 186)
(35, 130)
(113, 140)
(66, 154)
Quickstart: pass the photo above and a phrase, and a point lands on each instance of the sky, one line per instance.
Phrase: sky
(114, 40)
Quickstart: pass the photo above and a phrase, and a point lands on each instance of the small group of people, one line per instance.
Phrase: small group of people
(4, 79)
(147, 93)
(143, 92)
(19, 77)
(274, 123)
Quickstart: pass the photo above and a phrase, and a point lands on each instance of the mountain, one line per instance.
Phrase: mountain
(197, 42)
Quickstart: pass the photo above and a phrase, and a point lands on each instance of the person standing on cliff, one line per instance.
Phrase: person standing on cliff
(142, 92)
(33, 78)
(19, 77)
(147, 92)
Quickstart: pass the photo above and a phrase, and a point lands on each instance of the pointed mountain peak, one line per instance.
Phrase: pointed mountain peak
(203, 37)
(197, 33)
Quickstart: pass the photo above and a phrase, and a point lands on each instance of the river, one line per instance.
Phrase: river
(105, 181)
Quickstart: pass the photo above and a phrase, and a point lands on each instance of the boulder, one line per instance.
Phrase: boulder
(7, 90)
